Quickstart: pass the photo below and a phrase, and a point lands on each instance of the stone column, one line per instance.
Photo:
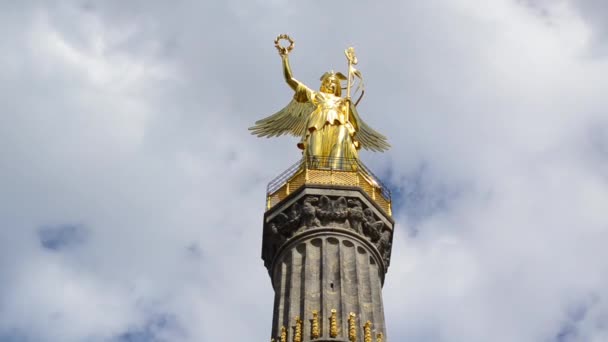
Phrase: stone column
(327, 249)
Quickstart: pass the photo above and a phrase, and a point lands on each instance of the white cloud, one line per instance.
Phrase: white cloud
(130, 119)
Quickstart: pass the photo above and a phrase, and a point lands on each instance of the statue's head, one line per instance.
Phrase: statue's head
(331, 83)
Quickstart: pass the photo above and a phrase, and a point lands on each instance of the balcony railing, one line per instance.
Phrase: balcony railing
(328, 171)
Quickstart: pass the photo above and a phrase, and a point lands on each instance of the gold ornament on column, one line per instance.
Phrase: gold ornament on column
(297, 336)
(315, 333)
(333, 324)
(368, 331)
(379, 337)
(283, 334)
(352, 328)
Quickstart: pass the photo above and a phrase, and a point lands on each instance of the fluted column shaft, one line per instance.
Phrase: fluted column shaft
(324, 270)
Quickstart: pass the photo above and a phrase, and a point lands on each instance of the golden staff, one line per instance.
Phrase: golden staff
(352, 60)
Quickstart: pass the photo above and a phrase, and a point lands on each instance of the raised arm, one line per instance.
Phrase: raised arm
(292, 82)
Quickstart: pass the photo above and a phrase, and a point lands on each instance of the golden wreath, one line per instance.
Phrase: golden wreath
(282, 49)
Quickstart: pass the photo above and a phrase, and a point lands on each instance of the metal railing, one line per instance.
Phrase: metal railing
(327, 164)
(281, 179)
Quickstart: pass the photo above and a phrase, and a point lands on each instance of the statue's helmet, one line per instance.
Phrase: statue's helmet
(331, 82)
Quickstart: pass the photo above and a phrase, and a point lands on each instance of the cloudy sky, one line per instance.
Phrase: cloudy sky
(132, 195)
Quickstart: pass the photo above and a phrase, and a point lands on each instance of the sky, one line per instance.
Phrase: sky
(132, 194)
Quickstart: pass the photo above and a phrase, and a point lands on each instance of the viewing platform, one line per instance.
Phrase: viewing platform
(328, 171)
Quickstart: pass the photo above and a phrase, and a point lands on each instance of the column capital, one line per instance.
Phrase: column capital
(327, 208)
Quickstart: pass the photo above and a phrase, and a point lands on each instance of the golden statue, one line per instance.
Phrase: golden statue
(329, 125)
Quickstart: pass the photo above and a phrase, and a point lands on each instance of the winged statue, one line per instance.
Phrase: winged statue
(328, 124)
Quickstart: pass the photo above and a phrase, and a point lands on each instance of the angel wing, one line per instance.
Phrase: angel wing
(369, 138)
(289, 120)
